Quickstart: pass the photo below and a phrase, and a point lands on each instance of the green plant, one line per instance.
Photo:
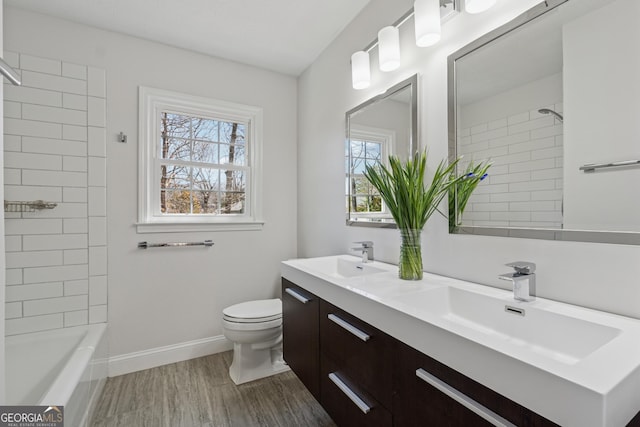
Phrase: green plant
(462, 188)
(411, 203)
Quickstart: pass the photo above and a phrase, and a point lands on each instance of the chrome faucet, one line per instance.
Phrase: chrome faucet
(366, 248)
(523, 279)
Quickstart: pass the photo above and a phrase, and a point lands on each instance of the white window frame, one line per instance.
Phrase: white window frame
(387, 140)
(152, 102)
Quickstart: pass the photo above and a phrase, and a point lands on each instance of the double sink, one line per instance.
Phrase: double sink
(574, 365)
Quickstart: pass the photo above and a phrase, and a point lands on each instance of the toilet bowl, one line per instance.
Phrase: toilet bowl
(255, 328)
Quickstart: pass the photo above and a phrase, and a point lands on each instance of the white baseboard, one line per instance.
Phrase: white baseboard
(146, 359)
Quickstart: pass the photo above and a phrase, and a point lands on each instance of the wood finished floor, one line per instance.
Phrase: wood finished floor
(199, 393)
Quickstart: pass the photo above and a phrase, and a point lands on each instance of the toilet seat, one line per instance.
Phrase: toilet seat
(260, 311)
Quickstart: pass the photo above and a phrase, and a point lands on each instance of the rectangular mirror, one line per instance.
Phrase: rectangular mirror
(552, 99)
(384, 125)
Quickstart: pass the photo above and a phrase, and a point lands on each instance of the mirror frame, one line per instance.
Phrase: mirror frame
(412, 84)
(593, 236)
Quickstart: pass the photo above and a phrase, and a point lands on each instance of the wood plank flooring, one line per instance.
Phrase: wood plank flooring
(199, 393)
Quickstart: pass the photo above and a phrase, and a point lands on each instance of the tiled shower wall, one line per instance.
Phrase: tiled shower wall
(524, 187)
(54, 148)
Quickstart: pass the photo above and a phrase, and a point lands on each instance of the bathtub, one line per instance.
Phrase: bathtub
(59, 367)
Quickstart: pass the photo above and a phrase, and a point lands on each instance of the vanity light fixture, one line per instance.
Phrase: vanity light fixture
(426, 16)
(360, 71)
(389, 48)
(478, 6)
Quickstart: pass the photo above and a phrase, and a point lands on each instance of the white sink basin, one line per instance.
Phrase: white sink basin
(506, 322)
(573, 365)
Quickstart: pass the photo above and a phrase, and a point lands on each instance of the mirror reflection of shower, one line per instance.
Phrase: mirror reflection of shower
(548, 111)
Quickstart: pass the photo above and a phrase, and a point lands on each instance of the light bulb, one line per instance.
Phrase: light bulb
(389, 48)
(427, 22)
(478, 6)
(360, 72)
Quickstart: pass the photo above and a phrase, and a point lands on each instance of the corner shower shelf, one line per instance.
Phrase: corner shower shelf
(30, 206)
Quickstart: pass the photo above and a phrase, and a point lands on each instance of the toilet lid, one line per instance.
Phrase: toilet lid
(254, 311)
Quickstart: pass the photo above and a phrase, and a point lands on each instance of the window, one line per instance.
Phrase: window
(199, 163)
(366, 146)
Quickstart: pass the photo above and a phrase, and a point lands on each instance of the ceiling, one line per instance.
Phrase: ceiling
(281, 35)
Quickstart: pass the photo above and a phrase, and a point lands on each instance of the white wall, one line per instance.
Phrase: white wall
(2, 261)
(595, 275)
(165, 297)
(595, 46)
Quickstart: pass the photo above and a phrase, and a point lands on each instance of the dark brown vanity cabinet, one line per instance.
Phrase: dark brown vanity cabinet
(300, 334)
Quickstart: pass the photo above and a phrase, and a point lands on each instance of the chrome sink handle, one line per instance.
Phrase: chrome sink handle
(523, 267)
(366, 248)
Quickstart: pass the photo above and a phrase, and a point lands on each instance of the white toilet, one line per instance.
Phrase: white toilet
(255, 328)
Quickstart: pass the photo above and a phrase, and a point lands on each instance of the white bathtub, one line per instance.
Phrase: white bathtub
(59, 367)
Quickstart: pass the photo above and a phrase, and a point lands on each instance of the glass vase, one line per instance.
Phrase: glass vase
(410, 255)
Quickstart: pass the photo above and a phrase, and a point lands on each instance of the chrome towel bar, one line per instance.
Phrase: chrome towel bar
(145, 245)
(593, 166)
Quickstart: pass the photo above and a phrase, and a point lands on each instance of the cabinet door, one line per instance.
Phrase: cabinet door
(424, 389)
(300, 334)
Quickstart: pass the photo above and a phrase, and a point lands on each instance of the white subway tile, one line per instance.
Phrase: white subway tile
(547, 153)
(54, 274)
(490, 153)
(521, 196)
(74, 102)
(532, 145)
(484, 207)
(75, 225)
(32, 95)
(12, 143)
(12, 58)
(512, 177)
(74, 71)
(96, 81)
(74, 195)
(97, 260)
(531, 125)
(498, 169)
(97, 290)
(97, 142)
(559, 140)
(36, 291)
(546, 132)
(76, 256)
(511, 158)
(12, 176)
(57, 179)
(547, 173)
(472, 148)
(510, 216)
(492, 188)
(97, 172)
(15, 226)
(97, 112)
(478, 129)
(500, 123)
(54, 114)
(54, 241)
(488, 135)
(532, 186)
(28, 192)
(12, 109)
(74, 133)
(56, 83)
(55, 305)
(32, 128)
(475, 216)
(13, 243)
(533, 165)
(76, 287)
(25, 325)
(546, 195)
(33, 259)
(53, 146)
(12, 310)
(518, 118)
(97, 231)
(41, 65)
(510, 139)
(559, 184)
(32, 161)
(464, 132)
(76, 318)
(74, 164)
(98, 314)
(532, 206)
(97, 201)
(552, 216)
(13, 276)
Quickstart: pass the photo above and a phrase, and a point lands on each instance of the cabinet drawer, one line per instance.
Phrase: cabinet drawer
(428, 393)
(348, 404)
(300, 334)
(362, 352)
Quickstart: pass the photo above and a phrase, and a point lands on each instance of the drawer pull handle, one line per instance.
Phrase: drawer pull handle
(349, 327)
(463, 399)
(297, 296)
(350, 393)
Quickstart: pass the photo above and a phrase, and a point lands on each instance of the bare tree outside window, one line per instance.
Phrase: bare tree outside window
(359, 153)
(203, 165)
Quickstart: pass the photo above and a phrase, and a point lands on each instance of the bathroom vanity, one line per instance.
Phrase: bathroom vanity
(378, 351)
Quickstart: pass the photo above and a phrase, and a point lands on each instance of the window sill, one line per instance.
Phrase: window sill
(178, 227)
